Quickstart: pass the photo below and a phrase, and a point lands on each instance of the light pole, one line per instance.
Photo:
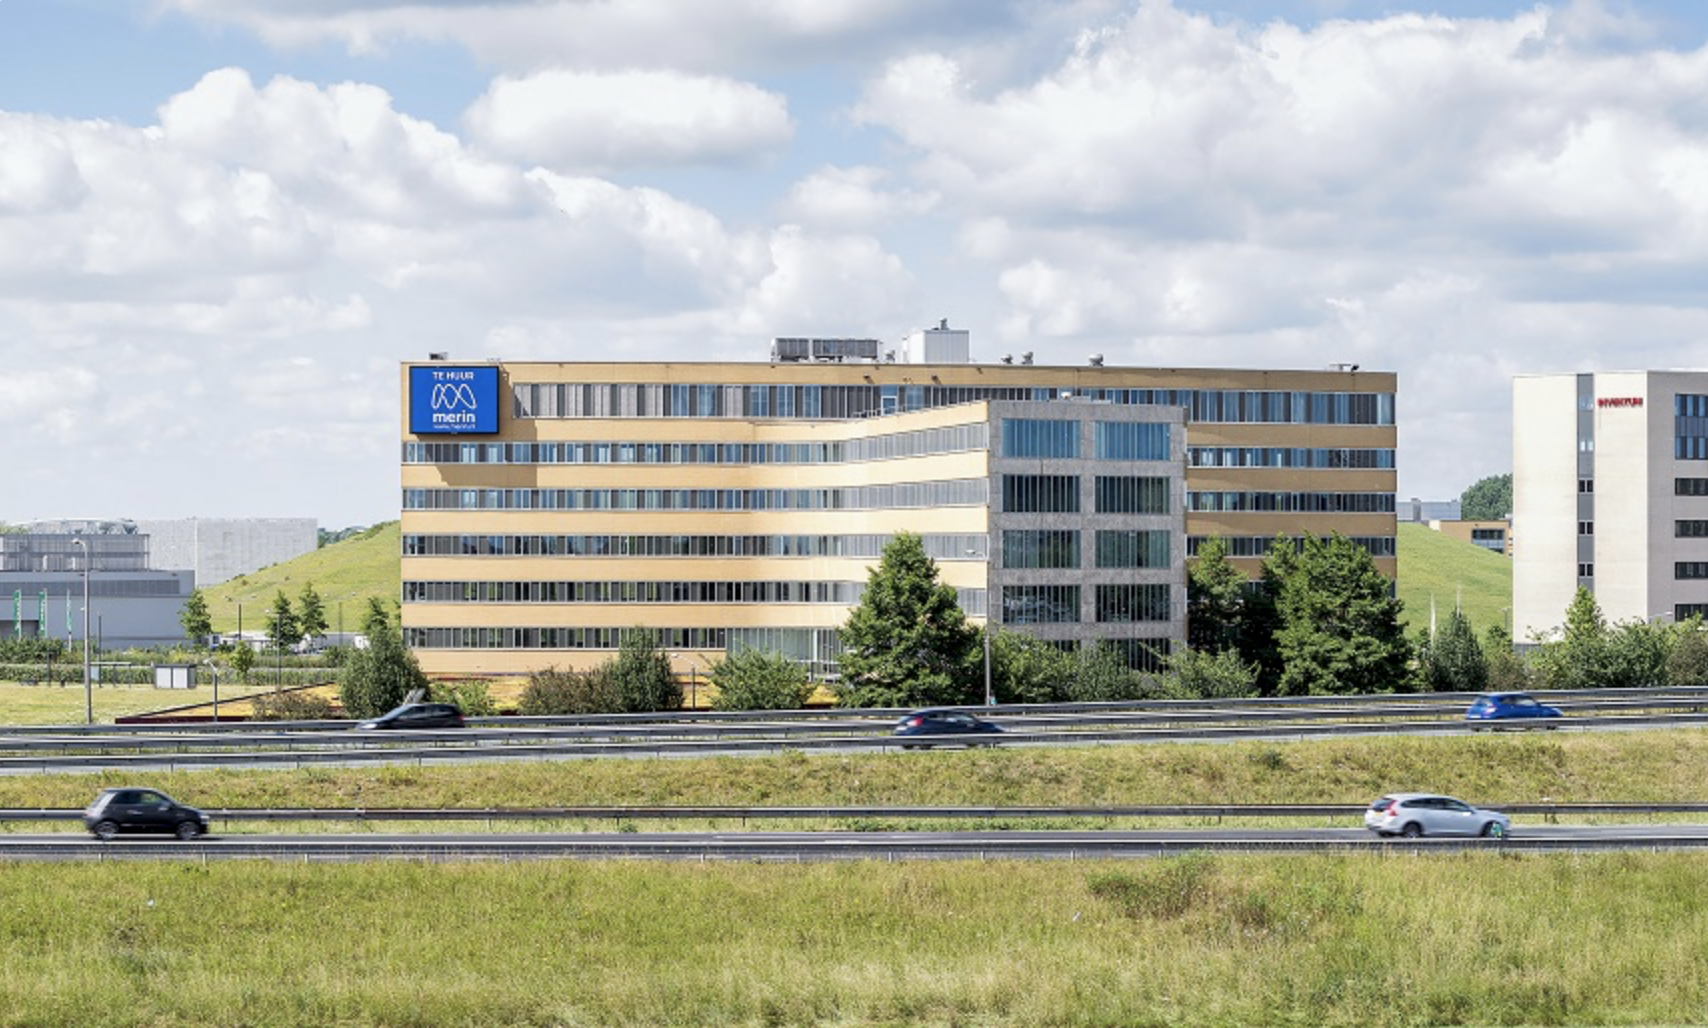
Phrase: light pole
(88, 692)
(989, 612)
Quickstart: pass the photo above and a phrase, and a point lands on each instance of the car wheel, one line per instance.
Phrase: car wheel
(1412, 830)
(1494, 830)
(106, 830)
(188, 830)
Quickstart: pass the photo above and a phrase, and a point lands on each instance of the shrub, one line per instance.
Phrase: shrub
(293, 706)
(552, 692)
(471, 697)
(754, 680)
(642, 675)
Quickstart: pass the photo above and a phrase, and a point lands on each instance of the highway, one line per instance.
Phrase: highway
(175, 747)
(803, 847)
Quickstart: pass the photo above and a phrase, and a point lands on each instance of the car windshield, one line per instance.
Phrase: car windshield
(1381, 804)
(1523, 701)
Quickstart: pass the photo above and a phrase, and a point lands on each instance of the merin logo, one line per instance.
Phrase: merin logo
(453, 405)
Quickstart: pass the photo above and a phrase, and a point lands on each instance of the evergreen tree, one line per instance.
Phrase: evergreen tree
(1453, 661)
(1261, 622)
(1487, 500)
(376, 616)
(1579, 658)
(642, 675)
(1340, 627)
(908, 644)
(377, 679)
(1215, 599)
(283, 628)
(311, 613)
(197, 622)
(756, 680)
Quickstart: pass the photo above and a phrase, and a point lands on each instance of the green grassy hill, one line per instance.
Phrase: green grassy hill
(1432, 564)
(346, 573)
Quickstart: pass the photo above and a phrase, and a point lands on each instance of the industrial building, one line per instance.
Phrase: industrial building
(220, 549)
(549, 507)
(131, 605)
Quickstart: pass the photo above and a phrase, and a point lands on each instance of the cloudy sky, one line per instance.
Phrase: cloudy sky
(224, 222)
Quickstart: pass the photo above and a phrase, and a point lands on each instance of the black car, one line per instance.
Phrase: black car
(142, 810)
(418, 715)
(945, 727)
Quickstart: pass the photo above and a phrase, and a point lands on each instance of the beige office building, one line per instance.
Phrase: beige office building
(1610, 492)
(550, 507)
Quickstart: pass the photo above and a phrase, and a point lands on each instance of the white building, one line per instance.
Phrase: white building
(220, 549)
(1610, 491)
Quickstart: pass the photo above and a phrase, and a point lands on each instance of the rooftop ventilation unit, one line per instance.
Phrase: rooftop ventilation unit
(835, 350)
(1096, 360)
(439, 356)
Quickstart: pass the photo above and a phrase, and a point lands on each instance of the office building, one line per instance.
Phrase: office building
(549, 507)
(1610, 491)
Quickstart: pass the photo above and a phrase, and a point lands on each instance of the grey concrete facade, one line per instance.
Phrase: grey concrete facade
(1160, 635)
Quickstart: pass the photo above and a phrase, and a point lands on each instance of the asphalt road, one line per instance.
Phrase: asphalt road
(821, 846)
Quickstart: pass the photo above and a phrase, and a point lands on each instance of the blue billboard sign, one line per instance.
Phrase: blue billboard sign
(453, 400)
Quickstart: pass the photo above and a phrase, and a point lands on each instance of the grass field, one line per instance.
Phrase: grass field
(1452, 571)
(345, 573)
(1355, 940)
(65, 704)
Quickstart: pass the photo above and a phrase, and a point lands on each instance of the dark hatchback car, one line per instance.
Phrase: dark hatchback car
(417, 715)
(1509, 709)
(142, 810)
(945, 727)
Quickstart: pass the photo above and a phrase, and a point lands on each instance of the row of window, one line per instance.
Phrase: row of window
(923, 442)
(837, 402)
(964, 492)
(1302, 503)
(1059, 494)
(845, 593)
(1289, 457)
(1259, 545)
(1690, 487)
(947, 546)
(1059, 604)
(1059, 439)
(1053, 549)
(1690, 569)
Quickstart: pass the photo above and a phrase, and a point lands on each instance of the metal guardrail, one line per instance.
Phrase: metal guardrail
(744, 813)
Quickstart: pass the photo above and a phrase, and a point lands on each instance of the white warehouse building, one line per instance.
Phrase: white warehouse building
(220, 549)
(1610, 492)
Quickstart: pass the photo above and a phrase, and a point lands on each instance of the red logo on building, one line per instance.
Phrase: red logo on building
(1619, 401)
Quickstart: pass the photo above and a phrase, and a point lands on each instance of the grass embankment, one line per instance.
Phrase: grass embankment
(345, 573)
(1586, 767)
(1452, 571)
(1367, 940)
(64, 704)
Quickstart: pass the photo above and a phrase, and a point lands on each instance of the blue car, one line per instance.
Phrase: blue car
(1493, 709)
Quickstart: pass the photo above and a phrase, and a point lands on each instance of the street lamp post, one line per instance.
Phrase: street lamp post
(88, 691)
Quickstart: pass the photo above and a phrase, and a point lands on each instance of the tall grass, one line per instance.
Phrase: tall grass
(1473, 938)
(1584, 767)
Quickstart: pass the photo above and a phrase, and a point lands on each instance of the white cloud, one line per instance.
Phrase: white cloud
(851, 198)
(599, 120)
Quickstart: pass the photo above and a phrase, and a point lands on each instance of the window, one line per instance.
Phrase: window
(1040, 494)
(1040, 549)
(1023, 437)
(1131, 495)
(1118, 549)
(1690, 569)
(1132, 602)
(1586, 485)
(1690, 487)
(1128, 440)
(1586, 570)
(1690, 529)
(1040, 604)
(1586, 528)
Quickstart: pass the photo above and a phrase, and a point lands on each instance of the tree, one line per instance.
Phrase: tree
(1452, 661)
(756, 680)
(1101, 674)
(243, 659)
(1637, 655)
(197, 622)
(1507, 670)
(1579, 658)
(311, 613)
(642, 675)
(557, 693)
(1026, 669)
(1340, 627)
(378, 678)
(908, 644)
(1487, 500)
(1215, 599)
(283, 628)
(1262, 616)
(1687, 664)
(376, 616)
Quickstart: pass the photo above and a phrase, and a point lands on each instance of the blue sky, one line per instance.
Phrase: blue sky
(224, 222)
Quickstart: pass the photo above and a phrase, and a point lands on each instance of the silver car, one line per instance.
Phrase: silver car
(1412, 814)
